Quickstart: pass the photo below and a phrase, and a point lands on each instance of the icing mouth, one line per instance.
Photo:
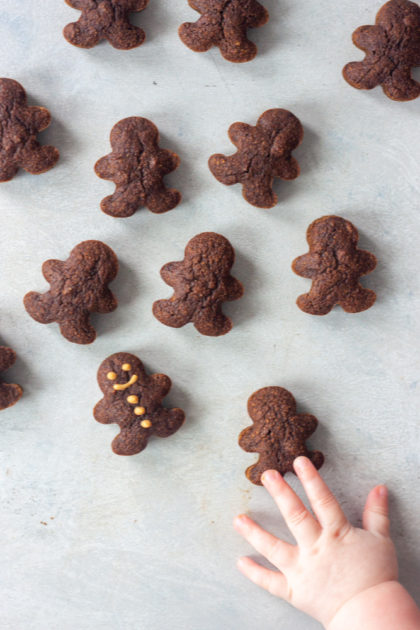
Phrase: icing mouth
(121, 386)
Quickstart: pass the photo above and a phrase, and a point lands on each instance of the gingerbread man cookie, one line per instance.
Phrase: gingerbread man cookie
(105, 19)
(79, 287)
(392, 49)
(278, 433)
(224, 23)
(19, 126)
(334, 264)
(9, 392)
(137, 166)
(201, 282)
(264, 152)
(133, 399)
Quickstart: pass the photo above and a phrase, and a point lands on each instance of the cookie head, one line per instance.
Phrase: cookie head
(118, 375)
(336, 231)
(211, 250)
(11, 93)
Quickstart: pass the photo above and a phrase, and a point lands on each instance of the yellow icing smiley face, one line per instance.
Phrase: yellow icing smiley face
(131, 399)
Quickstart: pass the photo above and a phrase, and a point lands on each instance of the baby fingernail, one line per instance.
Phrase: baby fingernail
(300, 463)
(270, 476)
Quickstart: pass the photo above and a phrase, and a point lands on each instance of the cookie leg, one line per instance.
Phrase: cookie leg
(130, 441)
(36, 159)
(400, 86)
(124, 202)
(162, 200)
(81, 34)
(212, 322)
(169, 422)
(78, 330)
(358, 300)
(317, 458)
(259, 193)
(237, 49)
(174, 314)
(125, 36)
(315, 304)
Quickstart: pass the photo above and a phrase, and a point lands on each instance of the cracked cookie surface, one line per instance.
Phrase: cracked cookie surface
(264, 152)
(392, 48)
(105, 19)
(201, 282)
(278, 433)
(137, 166)
(79, 287)
(335, 265)
(224, 23)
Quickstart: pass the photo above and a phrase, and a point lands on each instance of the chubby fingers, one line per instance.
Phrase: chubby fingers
(272, 581)
(323, 502)
(301, 523)
(375, 515)
(278, 552)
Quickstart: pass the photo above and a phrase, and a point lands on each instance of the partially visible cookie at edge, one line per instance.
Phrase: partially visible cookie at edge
(278, 433)
(201, 283)
(19, 126)
(133, 400)
(334, 264)
(79, 287)
(105, 19)
(9, 392)
(392, 48)
(137, 166)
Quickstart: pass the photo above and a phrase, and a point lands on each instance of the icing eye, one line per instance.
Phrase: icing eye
(146, 424)
(140, 411)
(111, 376)
(133, 400)
(126, 367)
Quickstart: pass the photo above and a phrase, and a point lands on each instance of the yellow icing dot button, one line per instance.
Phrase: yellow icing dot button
(126, 367)
(140, 411)
(133, 400)
(111, 376)
(146, 424)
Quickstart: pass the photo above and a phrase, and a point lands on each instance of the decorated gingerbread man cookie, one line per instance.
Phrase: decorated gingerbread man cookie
(133, 400)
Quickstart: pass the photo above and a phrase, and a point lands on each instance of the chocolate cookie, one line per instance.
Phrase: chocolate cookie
(392, 49)
(278, 433)
(9, 393)
(79, 287)
(137, 166)
(133, 400)
(334, 264)
(264, 152)
(19, 126)
(105, 19)
(224, 23)
(201, 282)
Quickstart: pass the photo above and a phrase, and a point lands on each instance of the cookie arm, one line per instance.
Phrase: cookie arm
(161, 384)
(200, 36)
(225, 169)
(40, 117)
(106, 302)
(9, 394)
(40, 307)
(235, 289)
(108, 167)
(366, 261)
(306, 266)
(248, 440)
(171, 271)
(169, 422)
(103, 412)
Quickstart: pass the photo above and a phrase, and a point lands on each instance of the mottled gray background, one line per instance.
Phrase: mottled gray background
(94, 541)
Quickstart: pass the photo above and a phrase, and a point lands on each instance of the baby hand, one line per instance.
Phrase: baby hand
(333, 562)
